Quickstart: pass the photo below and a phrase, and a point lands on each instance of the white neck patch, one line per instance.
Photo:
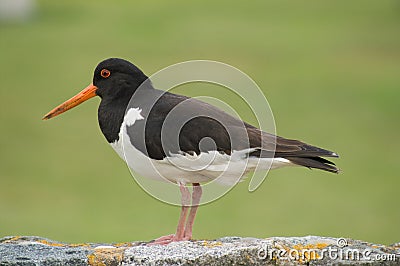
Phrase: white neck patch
(132, 116)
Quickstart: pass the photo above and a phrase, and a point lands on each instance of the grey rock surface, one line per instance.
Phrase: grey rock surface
(309, 250)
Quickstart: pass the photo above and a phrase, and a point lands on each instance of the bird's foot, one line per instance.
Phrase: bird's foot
(165, 240)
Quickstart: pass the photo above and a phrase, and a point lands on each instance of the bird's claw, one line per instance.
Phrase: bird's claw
(165, 240)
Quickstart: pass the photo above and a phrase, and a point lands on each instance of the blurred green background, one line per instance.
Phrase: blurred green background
(330, 70)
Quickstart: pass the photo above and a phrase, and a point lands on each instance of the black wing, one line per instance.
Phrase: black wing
(179, 124)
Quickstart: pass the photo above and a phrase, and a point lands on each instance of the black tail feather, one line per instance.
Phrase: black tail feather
(314, 162)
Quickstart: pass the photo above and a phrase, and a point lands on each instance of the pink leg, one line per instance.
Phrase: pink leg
(196, 195)
(180, 230)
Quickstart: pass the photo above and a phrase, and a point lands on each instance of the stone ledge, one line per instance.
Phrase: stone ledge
(310, 250)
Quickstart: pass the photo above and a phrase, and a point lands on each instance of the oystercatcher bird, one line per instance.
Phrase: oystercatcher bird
(176, 151)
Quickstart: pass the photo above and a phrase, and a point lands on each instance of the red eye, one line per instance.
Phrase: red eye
(105, 73)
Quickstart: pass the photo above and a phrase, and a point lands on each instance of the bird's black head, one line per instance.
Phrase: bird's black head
(115, 81)
(116, 78)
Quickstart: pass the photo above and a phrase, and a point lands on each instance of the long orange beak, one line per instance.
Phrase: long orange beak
(84, 95)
